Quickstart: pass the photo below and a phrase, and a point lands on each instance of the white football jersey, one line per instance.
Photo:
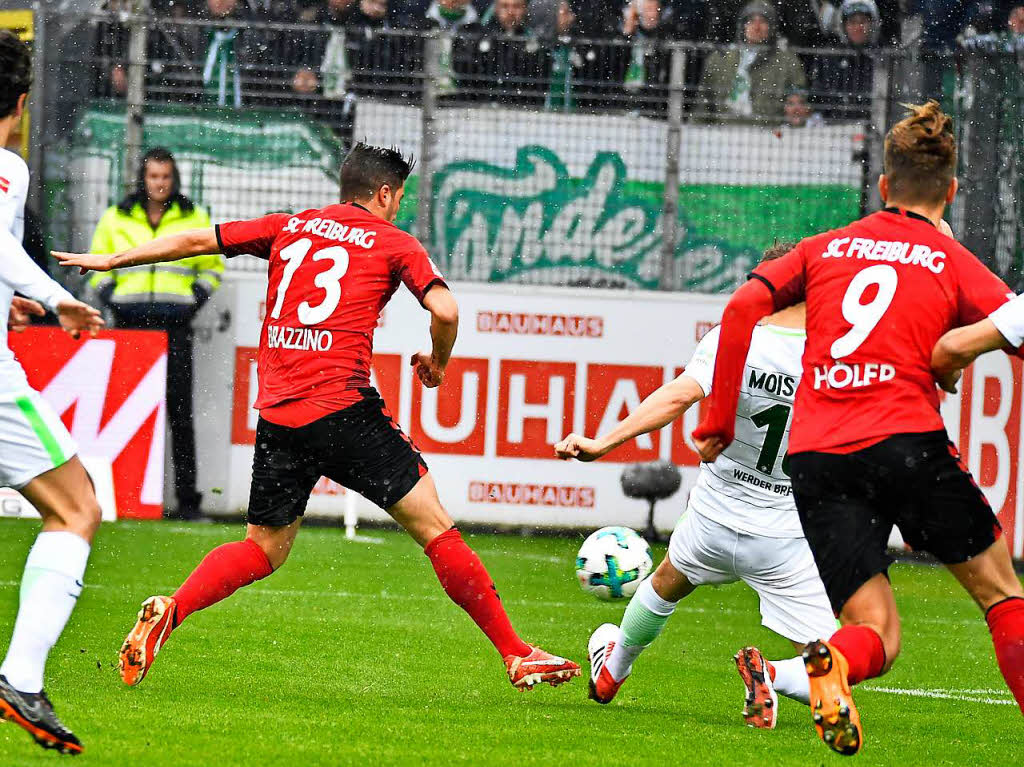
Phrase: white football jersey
(1009, 321)
(18, 272)
(747, 488)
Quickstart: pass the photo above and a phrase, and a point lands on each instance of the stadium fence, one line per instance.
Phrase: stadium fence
(558, 161)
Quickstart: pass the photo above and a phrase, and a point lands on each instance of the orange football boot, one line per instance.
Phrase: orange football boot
(835, 716)
(761, 704)
(156, 621)
(539, 666)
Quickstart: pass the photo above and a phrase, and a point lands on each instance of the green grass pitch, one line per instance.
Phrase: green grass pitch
(351, 654)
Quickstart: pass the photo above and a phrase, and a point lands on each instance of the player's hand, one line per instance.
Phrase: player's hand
(22, 311)
(579, 447)
(709, 448)
(946, 229)
(427, 370)
(77, 318)
(85, 261)
(948, 379)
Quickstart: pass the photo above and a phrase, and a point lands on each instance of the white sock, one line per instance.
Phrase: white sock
(50, 587)
(791, 679)
(646, 615)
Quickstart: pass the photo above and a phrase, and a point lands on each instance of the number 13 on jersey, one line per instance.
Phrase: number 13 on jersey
(329, 281)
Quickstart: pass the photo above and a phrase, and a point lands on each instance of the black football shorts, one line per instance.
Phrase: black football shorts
(848, 504)
(360, 448)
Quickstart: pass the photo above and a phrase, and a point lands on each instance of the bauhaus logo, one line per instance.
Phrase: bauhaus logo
(502, 408)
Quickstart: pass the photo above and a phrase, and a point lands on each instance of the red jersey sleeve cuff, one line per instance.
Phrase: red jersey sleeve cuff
(220, 242)
(765, 280)
(434, 282)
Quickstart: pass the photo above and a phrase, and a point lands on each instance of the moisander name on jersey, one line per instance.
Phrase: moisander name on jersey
(300, 339)
(885, 250)
(332, 230)
(774, 383)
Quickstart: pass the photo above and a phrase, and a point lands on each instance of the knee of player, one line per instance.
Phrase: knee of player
(669, 583)
(82, 516)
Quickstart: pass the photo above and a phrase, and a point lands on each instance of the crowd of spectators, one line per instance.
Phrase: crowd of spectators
(789, 61)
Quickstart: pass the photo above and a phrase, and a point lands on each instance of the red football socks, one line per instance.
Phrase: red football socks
(863, 650)
(221, 573)
(1006, 622)
(465, 580)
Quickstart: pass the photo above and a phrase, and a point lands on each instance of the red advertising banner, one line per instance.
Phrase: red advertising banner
(110, 391)
(985, 421)
(531, 366)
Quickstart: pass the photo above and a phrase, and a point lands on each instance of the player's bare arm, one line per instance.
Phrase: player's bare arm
(960, 347)
(444, 328)
(195, 242)
(665, 405)
(22, 312)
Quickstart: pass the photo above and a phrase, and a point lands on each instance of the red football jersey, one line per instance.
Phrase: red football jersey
(331, 273)
(880, 293)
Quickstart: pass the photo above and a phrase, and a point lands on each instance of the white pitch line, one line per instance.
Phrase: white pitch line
(964, 695)
(412, 597)
(521, 555)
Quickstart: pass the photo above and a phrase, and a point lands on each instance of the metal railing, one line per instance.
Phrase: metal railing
(642, 163)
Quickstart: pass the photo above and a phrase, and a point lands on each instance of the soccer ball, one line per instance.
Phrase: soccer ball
(612, 562)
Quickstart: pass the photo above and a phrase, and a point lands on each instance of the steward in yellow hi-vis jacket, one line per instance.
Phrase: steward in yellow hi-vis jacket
(162, 296)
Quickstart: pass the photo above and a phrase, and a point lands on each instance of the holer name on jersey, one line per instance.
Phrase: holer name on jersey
(885, 250)
(332, 230)
(773, 383)
(301, 339)
(842, 376)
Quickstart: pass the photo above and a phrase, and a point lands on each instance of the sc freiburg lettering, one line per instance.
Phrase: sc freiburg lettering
(332, 230)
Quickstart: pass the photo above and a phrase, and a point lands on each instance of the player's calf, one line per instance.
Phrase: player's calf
(1006, 622)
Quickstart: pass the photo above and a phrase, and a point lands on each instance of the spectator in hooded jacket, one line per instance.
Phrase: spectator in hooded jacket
(751, 80)
(797, 21)
(890, 19)
(842, 83)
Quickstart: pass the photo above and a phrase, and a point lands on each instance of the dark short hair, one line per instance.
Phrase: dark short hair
(139, 195)
(15, 71)
(920, 155)
(777, 250)
(367, 168)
